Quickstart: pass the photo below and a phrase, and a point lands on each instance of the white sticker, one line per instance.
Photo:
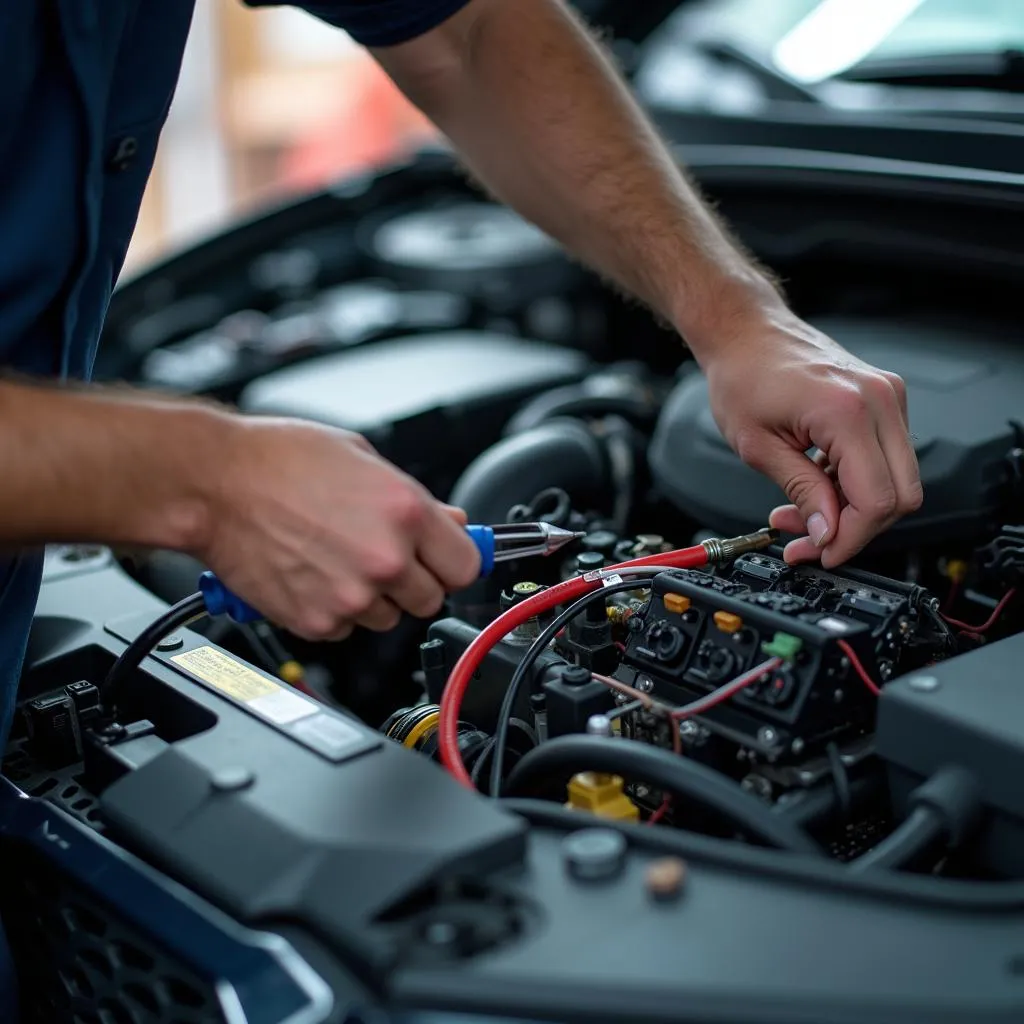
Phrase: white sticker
(328, 730)
(833, 625)
(609, 580)
(282, 707)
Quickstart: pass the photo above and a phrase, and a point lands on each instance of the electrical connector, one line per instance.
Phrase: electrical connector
(783, 645)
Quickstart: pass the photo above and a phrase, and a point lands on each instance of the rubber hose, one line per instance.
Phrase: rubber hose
(182, 614)
(624, 393)
(813, 808)
(686, 780)
(922, 831)
(946, 810)
(560, 453)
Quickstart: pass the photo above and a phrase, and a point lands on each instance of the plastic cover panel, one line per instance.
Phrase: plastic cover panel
(372, 387)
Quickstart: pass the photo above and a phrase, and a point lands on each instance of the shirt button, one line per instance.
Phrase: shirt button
(123, 153)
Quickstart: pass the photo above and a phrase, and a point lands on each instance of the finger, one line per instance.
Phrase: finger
(458, 514)
(381, 617)
(342, 632)
(444, 548)
(318, 628)
(419, 592)
(900, 390)
(899, 452)
(787, 518)
(870, 492)
(805, 482)
(803, 549)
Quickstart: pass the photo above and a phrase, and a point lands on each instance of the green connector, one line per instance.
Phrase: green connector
(783, 645)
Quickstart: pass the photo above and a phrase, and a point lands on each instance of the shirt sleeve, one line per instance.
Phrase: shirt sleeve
(376, 22)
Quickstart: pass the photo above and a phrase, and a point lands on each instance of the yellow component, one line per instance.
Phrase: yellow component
(420, 729)
(677, 603)
(291, 672)
(602, 795)
(956, 570)
(727, 622)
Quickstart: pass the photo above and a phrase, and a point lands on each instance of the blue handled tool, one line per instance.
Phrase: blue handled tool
(501, 542)
(505, 542)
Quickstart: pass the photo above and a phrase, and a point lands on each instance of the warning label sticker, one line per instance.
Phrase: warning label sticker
(298, 717)
(222, 671)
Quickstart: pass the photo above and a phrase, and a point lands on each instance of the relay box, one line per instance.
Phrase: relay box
(699, 631)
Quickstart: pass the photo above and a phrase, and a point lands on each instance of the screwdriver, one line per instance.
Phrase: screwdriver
(500, 542)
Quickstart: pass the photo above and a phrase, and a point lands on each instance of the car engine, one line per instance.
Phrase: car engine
(849, 740)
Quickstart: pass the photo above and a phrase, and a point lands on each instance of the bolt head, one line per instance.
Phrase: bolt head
(797, 746)
(644, 684)
(524, 588)
(767, 735)
(594, 854)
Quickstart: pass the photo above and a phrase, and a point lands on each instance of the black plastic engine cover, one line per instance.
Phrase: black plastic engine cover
(430, 403)
(964, 389)
(966, 712)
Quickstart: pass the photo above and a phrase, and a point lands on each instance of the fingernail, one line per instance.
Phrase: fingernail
(817, 528)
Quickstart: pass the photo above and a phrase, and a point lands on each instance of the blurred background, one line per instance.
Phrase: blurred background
(273, 103)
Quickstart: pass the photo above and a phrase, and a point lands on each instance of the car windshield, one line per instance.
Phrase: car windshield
(811, 41)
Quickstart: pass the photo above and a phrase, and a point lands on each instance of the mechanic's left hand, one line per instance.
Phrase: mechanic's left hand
(780, 387)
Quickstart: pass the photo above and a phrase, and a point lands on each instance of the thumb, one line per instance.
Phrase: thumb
(807, 485)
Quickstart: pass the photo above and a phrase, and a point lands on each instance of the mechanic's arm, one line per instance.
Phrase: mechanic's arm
(542, 118)
(306, 523)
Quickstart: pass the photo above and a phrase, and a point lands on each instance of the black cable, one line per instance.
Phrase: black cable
(922, 831)
(684, 779)
(523, 668)
(945, 812)
(812, 808)
(260, 649)
(270, 639)
(478, 769)
(179, 615)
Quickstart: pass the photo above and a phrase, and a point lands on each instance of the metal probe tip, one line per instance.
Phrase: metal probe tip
(732, 547)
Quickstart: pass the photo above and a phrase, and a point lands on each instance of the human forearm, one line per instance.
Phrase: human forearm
(541, 117)
(106, 466)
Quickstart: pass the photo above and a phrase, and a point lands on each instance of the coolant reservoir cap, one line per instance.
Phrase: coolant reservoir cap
(594, 854)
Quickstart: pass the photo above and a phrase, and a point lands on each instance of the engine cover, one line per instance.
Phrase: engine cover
(964, 390)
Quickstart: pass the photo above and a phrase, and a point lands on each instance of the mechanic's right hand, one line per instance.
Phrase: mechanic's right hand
(319, 533)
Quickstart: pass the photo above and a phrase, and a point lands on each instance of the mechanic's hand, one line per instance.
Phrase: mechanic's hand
(780, 388)
(319, 533)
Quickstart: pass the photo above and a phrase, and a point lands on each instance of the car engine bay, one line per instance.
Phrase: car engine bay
(828, 760)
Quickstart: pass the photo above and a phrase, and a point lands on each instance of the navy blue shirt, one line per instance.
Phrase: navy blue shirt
(85, 86)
